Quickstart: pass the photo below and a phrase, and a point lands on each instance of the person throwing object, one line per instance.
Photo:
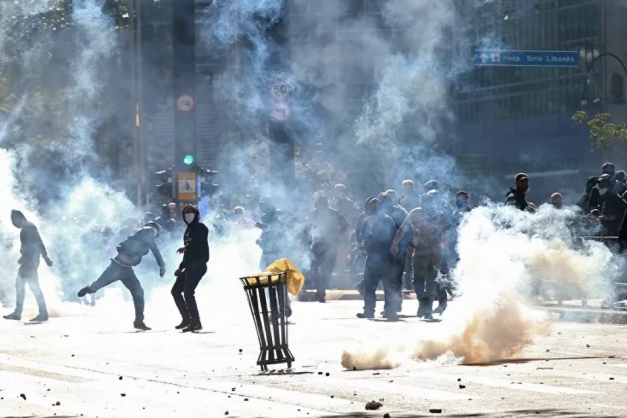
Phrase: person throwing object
(130, 254)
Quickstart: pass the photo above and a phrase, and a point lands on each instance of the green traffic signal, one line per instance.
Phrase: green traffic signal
(189, 159)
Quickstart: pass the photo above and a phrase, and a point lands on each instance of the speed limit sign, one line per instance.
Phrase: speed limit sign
(185, 103)
(280, 90)
(280, 112)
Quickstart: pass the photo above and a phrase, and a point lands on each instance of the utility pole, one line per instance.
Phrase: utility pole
(139, 150)
(184, 74)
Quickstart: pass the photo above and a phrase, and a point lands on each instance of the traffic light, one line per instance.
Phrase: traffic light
(208, 187)
(188, 160)
(165, 182)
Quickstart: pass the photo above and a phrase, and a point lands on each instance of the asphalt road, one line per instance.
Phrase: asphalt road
(91, 363)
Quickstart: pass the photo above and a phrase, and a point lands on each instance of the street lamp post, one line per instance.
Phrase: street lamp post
(586, 80)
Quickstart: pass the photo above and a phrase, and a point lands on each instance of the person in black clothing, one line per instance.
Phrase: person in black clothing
(326, 227)
(165, 220)
(398, 215)
(377, 234)
(518, 196)
(32, 248)
(272, 233)
(595, 201)
(621, 178)
(130, 254)
(613, 207)
(585, 198)
(192, 269)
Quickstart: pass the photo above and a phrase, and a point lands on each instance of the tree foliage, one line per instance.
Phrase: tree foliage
(605, 133)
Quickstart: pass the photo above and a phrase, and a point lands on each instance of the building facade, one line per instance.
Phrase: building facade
(513, 119)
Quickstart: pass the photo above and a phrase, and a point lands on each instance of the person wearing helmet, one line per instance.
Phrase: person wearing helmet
(191, 270)
(32, 248)
(130, 254)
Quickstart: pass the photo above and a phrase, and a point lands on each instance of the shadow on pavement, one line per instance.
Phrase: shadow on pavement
(505, 414)
(41, 416)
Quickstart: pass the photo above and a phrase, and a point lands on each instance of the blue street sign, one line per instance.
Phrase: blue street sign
(527, 58)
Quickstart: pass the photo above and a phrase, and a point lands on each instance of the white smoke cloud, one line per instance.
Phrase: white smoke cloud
(503, 254)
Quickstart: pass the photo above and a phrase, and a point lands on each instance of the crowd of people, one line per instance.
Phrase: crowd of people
(396, 240)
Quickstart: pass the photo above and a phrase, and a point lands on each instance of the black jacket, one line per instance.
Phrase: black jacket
(516, 198)
(137, 245)
(196, 241)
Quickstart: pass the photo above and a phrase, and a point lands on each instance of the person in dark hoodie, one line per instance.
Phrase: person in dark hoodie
(518, 196)
(191, 270)
(32, 248)
(130, 254)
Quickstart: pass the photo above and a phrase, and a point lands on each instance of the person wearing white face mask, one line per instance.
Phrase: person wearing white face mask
(192, 269)
(130, 254)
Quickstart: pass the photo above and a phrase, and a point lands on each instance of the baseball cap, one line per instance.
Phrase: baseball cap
(605, 178)
(521, 177)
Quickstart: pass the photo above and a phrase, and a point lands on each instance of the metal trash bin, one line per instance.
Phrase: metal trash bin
(267, 298)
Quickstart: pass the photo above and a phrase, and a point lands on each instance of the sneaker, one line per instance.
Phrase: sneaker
(81, 293)
(141, 326)
(440, 309)
(40, 318)
(193, 327)
(365, 315)
(428, 316)
(13, 316)
(391, 316)
(184, 324)
(288, 312)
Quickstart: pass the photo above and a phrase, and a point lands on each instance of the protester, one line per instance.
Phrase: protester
(191, 270)
(129, 254)
(32, 247)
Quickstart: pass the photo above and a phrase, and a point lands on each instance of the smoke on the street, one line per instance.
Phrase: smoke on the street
(504, 254)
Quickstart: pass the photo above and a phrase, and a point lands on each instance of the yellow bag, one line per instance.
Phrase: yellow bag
(295, 280)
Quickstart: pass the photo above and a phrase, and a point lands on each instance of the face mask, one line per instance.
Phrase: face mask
(189, 217)
(602, 191)
(558, 205)
(461, 204)
(522, 188)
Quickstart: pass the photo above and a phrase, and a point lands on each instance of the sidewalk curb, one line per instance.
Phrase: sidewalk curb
(562, 314)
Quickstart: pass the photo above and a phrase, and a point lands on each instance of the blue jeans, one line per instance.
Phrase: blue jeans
(28, 275)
